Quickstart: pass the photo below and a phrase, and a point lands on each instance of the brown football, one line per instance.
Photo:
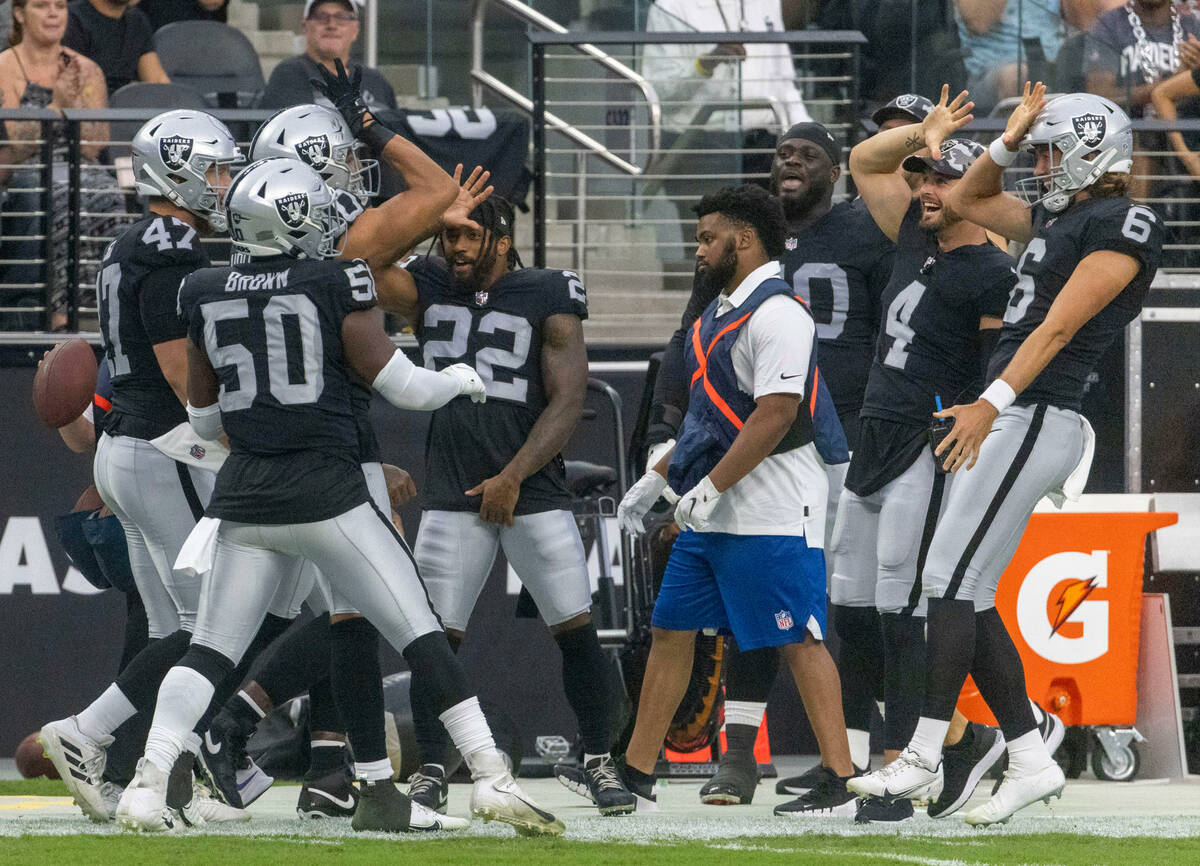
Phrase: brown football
(30, 762)
(64, 383)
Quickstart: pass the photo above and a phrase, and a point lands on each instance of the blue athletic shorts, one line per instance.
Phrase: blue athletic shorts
(765, 590)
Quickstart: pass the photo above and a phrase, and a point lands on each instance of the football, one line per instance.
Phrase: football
(31, 763)
(64, 383)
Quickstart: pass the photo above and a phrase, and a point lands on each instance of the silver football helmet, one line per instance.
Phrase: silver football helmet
(283, 206)
(1090, 135)
(173, 155)
(319, 137)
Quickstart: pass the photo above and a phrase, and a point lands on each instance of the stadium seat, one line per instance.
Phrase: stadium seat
(141, 94)
(213, 59)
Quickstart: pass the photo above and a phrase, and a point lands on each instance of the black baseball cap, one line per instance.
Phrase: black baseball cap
(954, 160)
(907, 106)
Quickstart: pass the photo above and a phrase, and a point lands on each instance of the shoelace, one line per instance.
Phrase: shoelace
(93, 767)
(907, 759)
(420, 784)
(605, 776)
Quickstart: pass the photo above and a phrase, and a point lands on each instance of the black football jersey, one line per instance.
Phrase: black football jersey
(928, 344)
(1060, 242)
(272, 329)
(499, 333)
(137, 288)
(840, 266)
(349, 208)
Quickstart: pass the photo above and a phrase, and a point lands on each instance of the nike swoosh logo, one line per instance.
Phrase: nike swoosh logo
(793, 376)
(213, 748)
(348, 803)
(541, 813)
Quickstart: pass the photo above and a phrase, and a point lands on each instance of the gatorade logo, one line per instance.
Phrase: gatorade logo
(1056, 613)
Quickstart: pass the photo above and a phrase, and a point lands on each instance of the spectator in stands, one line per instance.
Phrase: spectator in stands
(5, 20)
(162, 12)
(1002, 39)
(330, 28)
(1183, 86)
(118, 37)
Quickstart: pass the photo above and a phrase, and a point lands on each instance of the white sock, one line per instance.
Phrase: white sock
(192, 743)
(1027, 754)
(745, 713)
(258, 711)
(373, 771)
(860, 747)
(182, 699)
(1039, 715)
(469, 731)
(927, 740)
(105, 714)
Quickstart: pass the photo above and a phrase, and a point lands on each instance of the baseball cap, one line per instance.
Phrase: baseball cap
(354, 6)
(908, 106)
(954, 160)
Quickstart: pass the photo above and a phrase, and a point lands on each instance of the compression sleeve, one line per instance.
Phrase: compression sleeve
(407, 386)
(206, 420)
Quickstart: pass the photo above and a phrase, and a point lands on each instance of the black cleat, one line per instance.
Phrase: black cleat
(222, 753)
(734, 782)
(802, 784)
(876, 810)
(572, 777)
(963, 765)
(428, 786)
(828, 798)
(606, 788)
(330, 796)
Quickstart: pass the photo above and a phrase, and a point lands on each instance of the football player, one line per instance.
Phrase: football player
(273, 341)
(1091, 255)
(496, 476)
(942, 310)
(181, 161)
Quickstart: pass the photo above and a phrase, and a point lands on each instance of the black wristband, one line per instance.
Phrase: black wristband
(376, 136)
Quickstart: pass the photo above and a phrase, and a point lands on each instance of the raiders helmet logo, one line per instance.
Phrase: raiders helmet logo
(293, 208)
(1090, 128)
(952, 155)
(175, 151)
(314, 150)
(906, 100)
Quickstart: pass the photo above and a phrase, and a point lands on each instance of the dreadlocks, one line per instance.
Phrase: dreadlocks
(495, 216)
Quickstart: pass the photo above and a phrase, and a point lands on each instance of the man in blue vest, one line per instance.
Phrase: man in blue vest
(749, 560)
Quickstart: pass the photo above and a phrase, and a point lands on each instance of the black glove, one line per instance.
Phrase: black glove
(345, 93)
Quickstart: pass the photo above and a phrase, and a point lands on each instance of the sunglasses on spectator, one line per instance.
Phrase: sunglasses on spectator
(333, 17)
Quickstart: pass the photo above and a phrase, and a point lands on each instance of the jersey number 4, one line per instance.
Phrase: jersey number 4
(899, 315)
(488, 360)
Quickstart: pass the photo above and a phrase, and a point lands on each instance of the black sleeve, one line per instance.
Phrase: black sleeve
(670, 392)
(1133, 229)
(357, 291)
(566, 294)
(141, 32)
(75, 38)
(988, 338)
(288, 85)
(159, 303)
(993, 300)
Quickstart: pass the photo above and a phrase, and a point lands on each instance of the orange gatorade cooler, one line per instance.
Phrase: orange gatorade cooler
(1072, 600)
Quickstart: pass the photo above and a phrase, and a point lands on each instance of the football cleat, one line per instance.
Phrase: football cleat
(383, 807)
(797, 785)
(330, 796)
(204, 808)
(874, 810)
(829, 798)
(572, 777)
(963, 767)
(80, 762)
(734, 782)
(1052, 729)
(221, 750)
(1017, 792)
(906, 777)
(499, 798)
(422, 820)
(606, 789)
(252, 781)
(428, 786)
(143, 805)
(110, 793)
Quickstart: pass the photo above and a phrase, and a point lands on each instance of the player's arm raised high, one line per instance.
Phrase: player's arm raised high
(874, 163)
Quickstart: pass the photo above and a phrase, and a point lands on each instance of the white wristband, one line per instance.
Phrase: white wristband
(1000, 394)
(1000, 154)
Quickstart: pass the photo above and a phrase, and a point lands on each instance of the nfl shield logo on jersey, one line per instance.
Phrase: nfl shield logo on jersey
(790, 244)
(175, 151)
(1090, 128)
(314, 150)
(481, 298)
(783, 620)
(293, 208)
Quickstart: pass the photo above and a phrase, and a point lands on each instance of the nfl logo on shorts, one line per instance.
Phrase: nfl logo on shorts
(783, 619)
(197, 451)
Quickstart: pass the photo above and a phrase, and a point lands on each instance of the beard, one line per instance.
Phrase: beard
(797, 207)
(714, 279)
(473, 281)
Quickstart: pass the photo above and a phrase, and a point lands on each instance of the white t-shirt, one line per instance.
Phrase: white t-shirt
(786, 493)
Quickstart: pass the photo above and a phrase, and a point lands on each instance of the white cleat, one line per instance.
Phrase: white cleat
(80, 762)
(499, 798)
(207, 809)
(906, 777)
(1017, 792)
(425, 820)
(143, 807)
(111, 793)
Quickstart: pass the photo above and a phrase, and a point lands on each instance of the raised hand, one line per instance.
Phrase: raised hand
(945, 119)
(470, 195)
(345, 93)
(1033, 100)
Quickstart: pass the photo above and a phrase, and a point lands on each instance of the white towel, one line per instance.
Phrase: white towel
(196, 555)
(1072, 488)
(181, 443)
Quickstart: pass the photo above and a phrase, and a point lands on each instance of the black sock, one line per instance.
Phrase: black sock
(950, 647)
(904, 676)
(358, 686)
(140, 679)
(129, 741)
(298, 659)
(432, 740)
(859, 662)
(271, 628)
(323, 712)
(637, 778)
(585, 681)
(1000, 676)
(324, 758)
(241, 713)
(136, 626)
(749, 675)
